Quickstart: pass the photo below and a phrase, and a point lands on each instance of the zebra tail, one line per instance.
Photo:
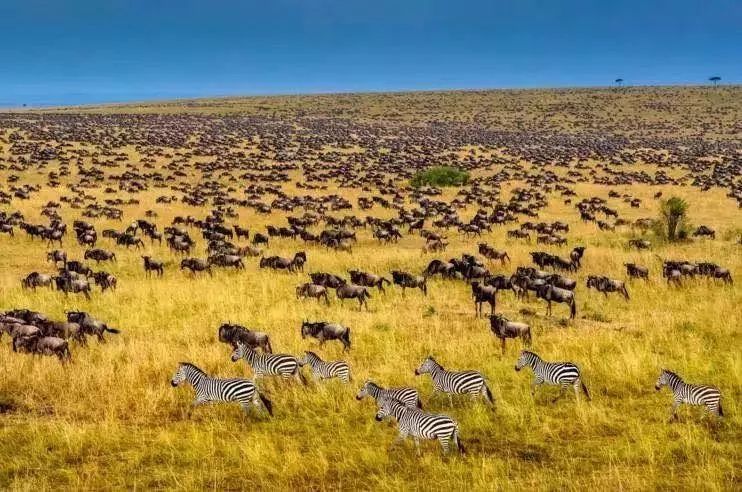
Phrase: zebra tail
(301, 376)
(584, 390)
(721, 410)
(573, 309)
(489, 394)
(267, 404)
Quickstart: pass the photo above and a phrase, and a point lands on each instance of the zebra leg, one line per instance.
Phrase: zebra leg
(576, 387)
(562, 389)
(450, 400)
(444, 440)
(398, 440)
(675, 405)
(534, 385)
(417, 446)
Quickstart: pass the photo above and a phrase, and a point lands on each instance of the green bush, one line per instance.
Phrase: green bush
(440, 176)
(672, 224)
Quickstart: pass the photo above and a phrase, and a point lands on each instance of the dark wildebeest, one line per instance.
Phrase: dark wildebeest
(241, 232)
(64, 329)
(640, 244)
(493, 254)
(328, 280)
(36, 279)
(44, 346)
(352, 291)
(576, 255)
(151, 265)
(550, 294)
(68, 284)
(78, 267)
(606, 285)
(312, 290)
(481, 294)
(446, 269)
(231, 334)
(704, 231)
(323, 331)
(637, 271)
(561, 281)
(105, 280)
(279, 263)
(503, 328)
(100, 255)
(368, 279)
(249, 251)
(408, 281)
(90, 325)
(195, 265)
(56, 256)
(224, 260)
(259, 238)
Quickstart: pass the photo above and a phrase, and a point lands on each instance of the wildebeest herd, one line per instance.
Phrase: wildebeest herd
(550, 230)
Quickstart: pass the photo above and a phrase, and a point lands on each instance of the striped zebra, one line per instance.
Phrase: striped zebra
(210, 389)
(326, 370)
(562, 374)
(420, 425)
(692, 394)
(455, 383)
(268, 364)
(408, 396)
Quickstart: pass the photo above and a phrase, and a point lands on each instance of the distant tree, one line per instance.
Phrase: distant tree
(619, 82)
(673, 218)
(440, 176)
(715, 80)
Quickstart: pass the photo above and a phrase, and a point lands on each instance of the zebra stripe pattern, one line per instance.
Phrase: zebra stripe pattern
(420, 425)
(692, 394)
(326, 370)
(407, 396)
(210, 389)
(561, 374)
(455, 382)
(266, 364)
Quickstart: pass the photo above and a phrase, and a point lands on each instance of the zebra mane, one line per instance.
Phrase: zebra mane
(192, 366)
(672, 374)
(528, 352)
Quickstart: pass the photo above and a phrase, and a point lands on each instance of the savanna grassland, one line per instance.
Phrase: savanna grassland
(109, 419)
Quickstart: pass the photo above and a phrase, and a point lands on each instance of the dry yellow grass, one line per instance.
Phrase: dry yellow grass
(110, 420)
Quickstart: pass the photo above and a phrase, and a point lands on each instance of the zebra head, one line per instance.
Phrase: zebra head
(525, 359)
(365, 390)
(666, 378)
(428, 365)
(180, 375)
(240, 351)
(384, 410)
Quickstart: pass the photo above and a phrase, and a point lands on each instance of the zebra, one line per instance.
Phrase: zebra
(210, 389)
(693, 394)
(326, 370)
(408, 396)
(268, 364)
(555, 373)
(452, 382)
(418, 424)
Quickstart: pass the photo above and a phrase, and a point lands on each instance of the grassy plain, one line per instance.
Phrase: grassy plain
(110, 420)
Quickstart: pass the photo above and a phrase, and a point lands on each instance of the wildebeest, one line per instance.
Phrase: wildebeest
(637, 271)
(90, 325)
(409, 281)
(503, 328)
(223, 260)
(151, 265)
(259, 238)
(576, 255)
(606, 285)
(493, 254)
(36, 279)
(705, 231)
(323, 331)
(241, 232)
(328, 280)
(56, 256)
(352, 291)
(195, 265)
(481, 294)
(67, 284)
(550, 294)
(100, 255)
(368, 279)
(279, 263)
(639, 243)
(231, 334)
(312, 290)
(44, 346)
(105, 280)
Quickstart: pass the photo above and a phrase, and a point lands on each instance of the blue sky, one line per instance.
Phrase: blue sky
(77, 51)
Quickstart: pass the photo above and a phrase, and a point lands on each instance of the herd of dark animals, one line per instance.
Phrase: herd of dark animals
(167, 137)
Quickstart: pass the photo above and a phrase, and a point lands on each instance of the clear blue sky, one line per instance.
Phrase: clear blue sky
(76, 51)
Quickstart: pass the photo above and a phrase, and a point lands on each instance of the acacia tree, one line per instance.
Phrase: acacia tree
(715, 80)
(673, 213)
(619, 82)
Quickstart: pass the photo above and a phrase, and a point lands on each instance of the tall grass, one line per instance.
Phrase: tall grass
(110, 420)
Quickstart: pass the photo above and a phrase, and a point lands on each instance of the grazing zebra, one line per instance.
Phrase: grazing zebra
(452, 382)
(556, 373)
(692, 394)
(326, 370)
(268, 364)
(408, 396)
(419, 424)
(210, 389)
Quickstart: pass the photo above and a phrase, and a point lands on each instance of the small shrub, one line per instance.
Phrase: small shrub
(440, 176)
(672, 224)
